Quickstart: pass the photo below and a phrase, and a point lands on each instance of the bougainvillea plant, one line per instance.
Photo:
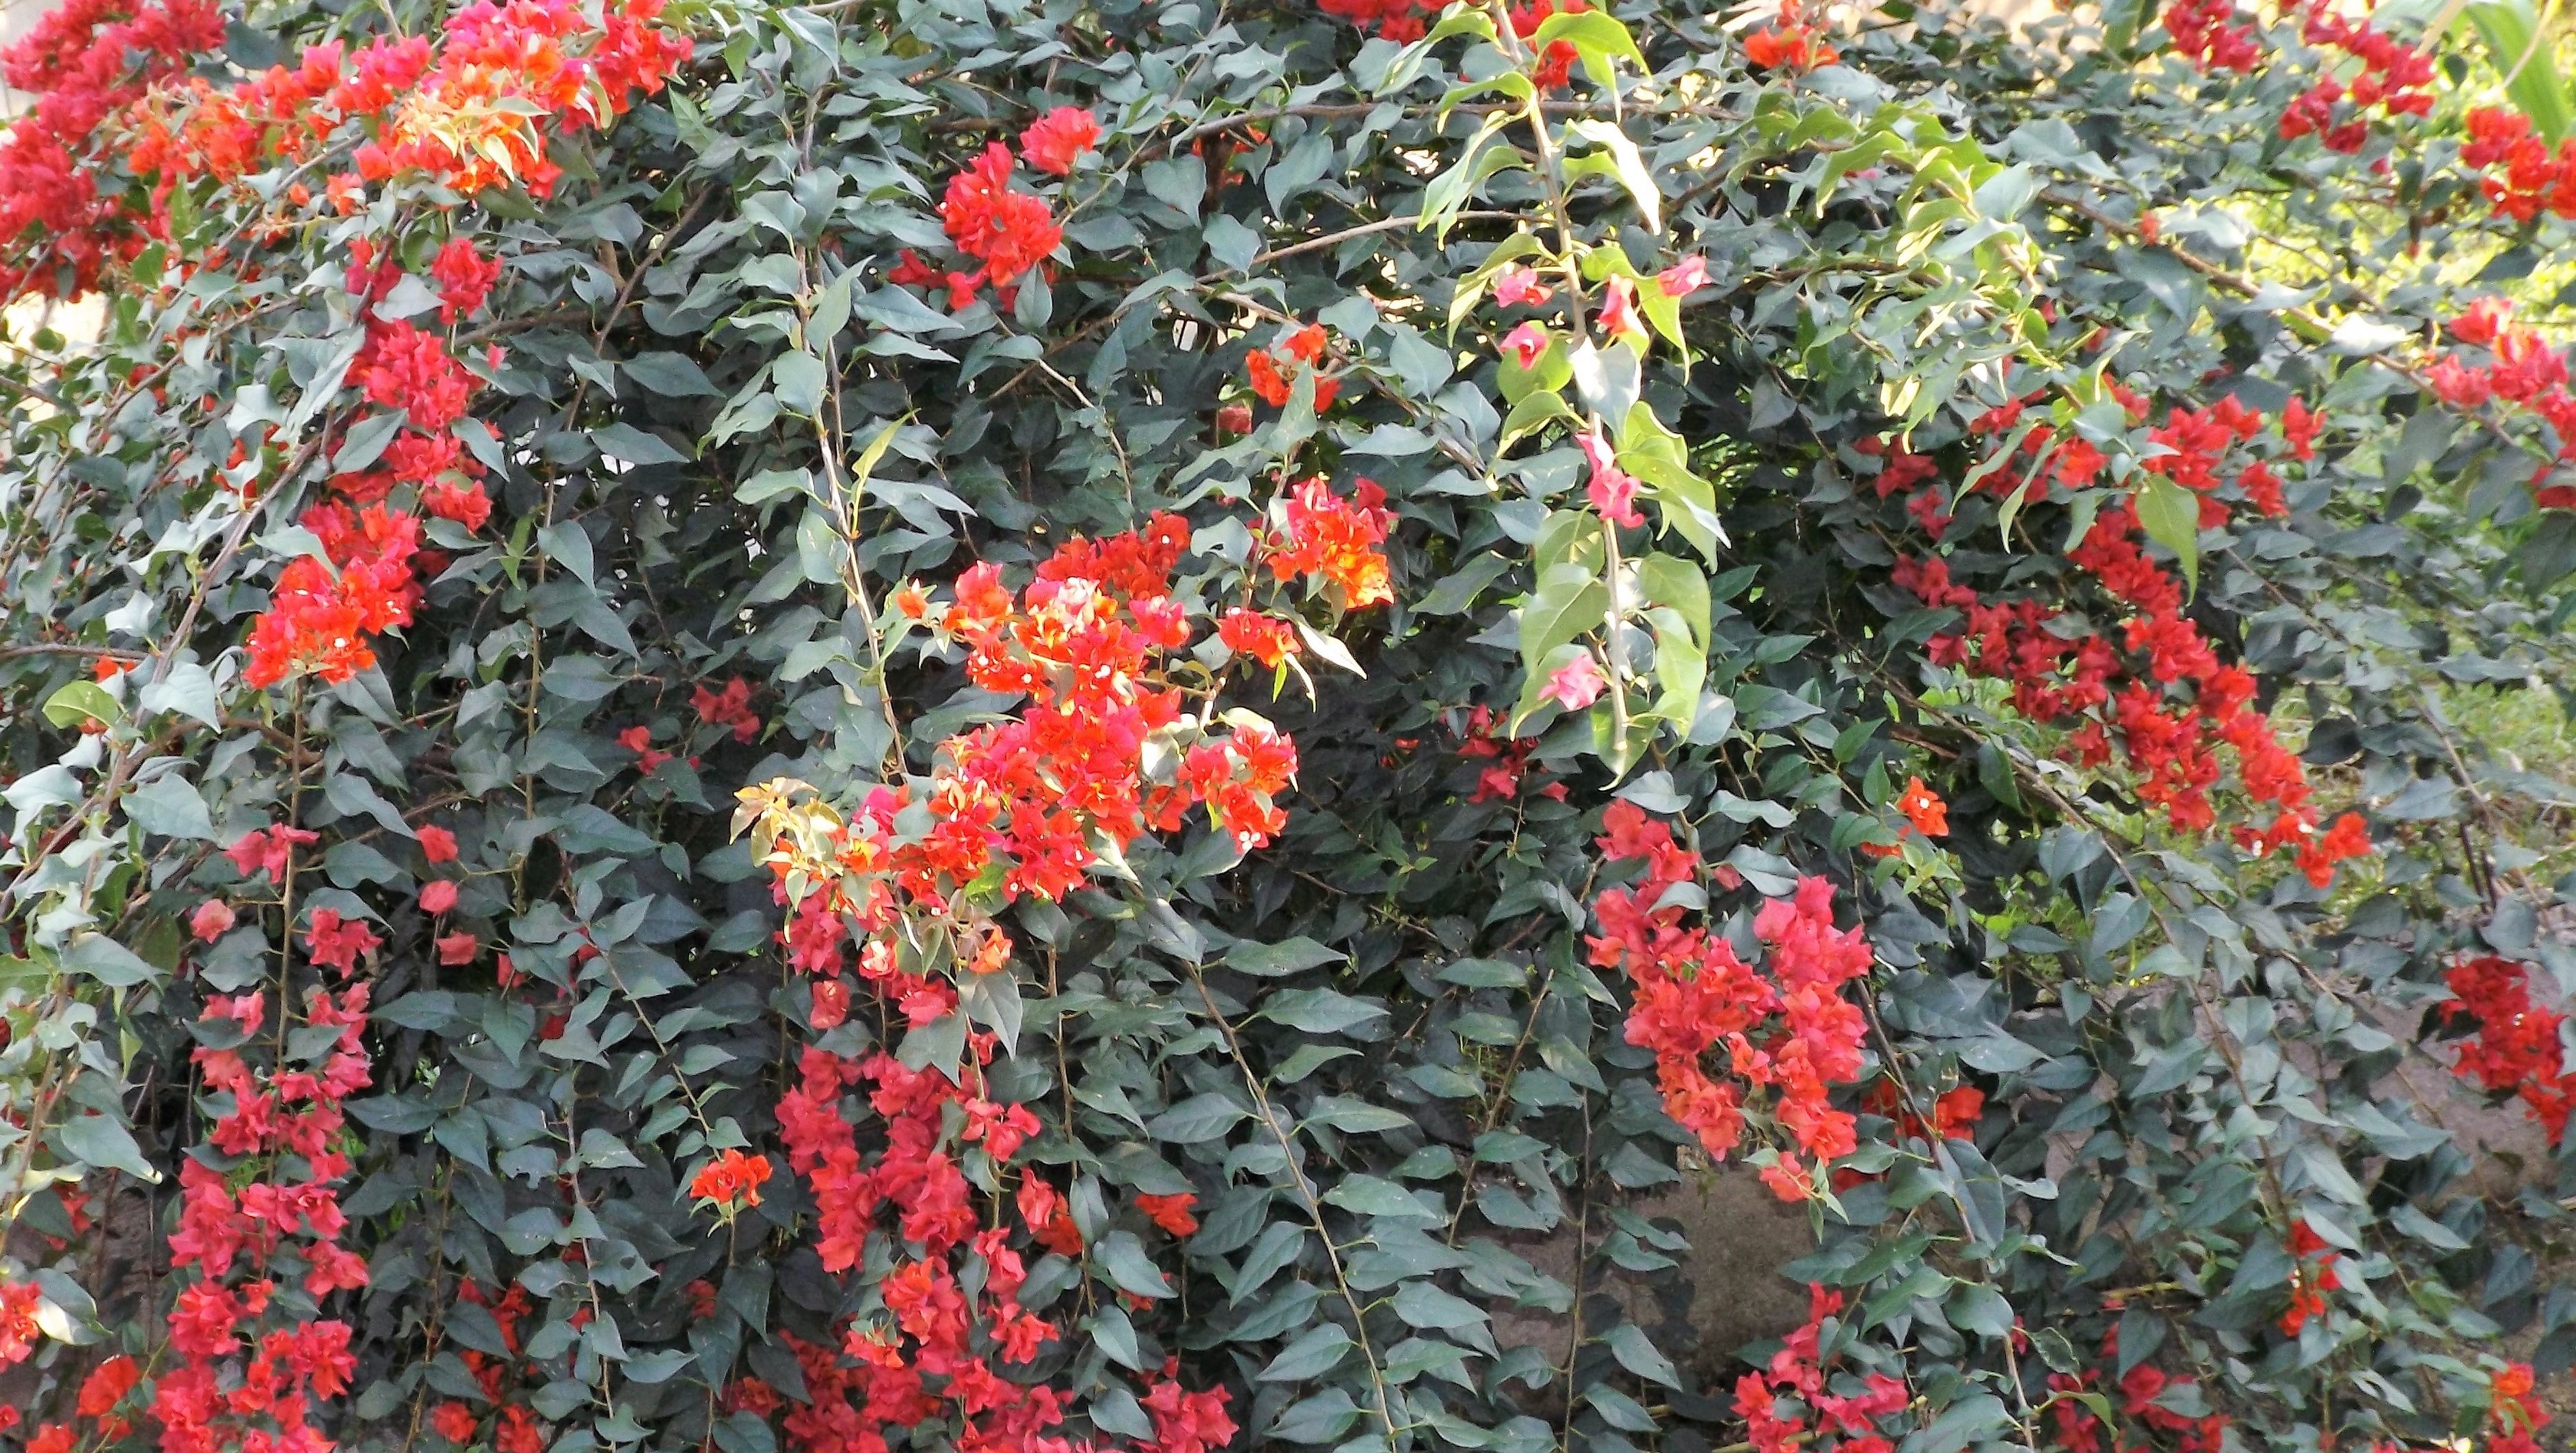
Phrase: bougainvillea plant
(906, 724)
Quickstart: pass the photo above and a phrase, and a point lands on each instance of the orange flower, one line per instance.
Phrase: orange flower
(1924, 808)
(731, 1180)
(1172, 1213)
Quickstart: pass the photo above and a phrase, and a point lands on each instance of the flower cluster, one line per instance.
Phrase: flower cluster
(2514, 1414)
(259, 1221)
(1315, 534)
(1924, 812)
(2514, 1048)
(1007, 233)
(1778, 1400)
(2312, 1275)
(2212, 35)
(731, 1180)
(324, 613)
(1790, 1030)
(2390, 76)
(1792, 42)
(1273, 373)
(1955, 1113)
(2083, 679)
(1553, 67)
(2145, 1393)
(84, 63)
(517, 1428)
(1020, 808)
(2524, 174)
(1057, 140)
(2520, 369)
(469, 111)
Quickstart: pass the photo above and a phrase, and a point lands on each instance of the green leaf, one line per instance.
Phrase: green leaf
(1569, 601)
(102, 1141)
(1124, 1258)
(1597, 37)
(1318, 1352)
(170, 807)
(2171, 515)
(1628, 1343)
(96, 956)
(1201, 1117)
(79, 703)
(186, 689)
(993, 1000)
(1627, 165)
(1319, 1419)
(1274, 960)
(1319, 1011)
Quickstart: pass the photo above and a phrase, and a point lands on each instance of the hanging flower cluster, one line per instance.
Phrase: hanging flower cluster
(259, 1221)
(1790, 1029)
(2169, 747)
(1778, 1401)
(84, 63)
(1401, 21)
(323, 613)
(469, 111)
(1103, 750)
(2514, 1413)
(2514, 1048)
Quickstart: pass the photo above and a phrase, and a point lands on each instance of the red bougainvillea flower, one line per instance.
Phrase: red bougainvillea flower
(1400, 21)
(1172, 1213)
(1792, 1032)
(1791, 43)
(458, 500)
(2211, 35)
(1619, 311)
(1684, 277)
(1524, 344)
(1611, 490)
(1057, 140)
(437, 897)
(1315, 532)
(1265, 638)
(268, 850)
(212, 920)
(2515, 1048)
(639, 740)
(1009, 232)
(1924, 809)
(437, 844)
(455, 1422)
(464, 277)
(729, 708)
(731, 1180)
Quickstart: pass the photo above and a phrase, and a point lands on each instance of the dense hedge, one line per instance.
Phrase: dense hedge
(1054, 725)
